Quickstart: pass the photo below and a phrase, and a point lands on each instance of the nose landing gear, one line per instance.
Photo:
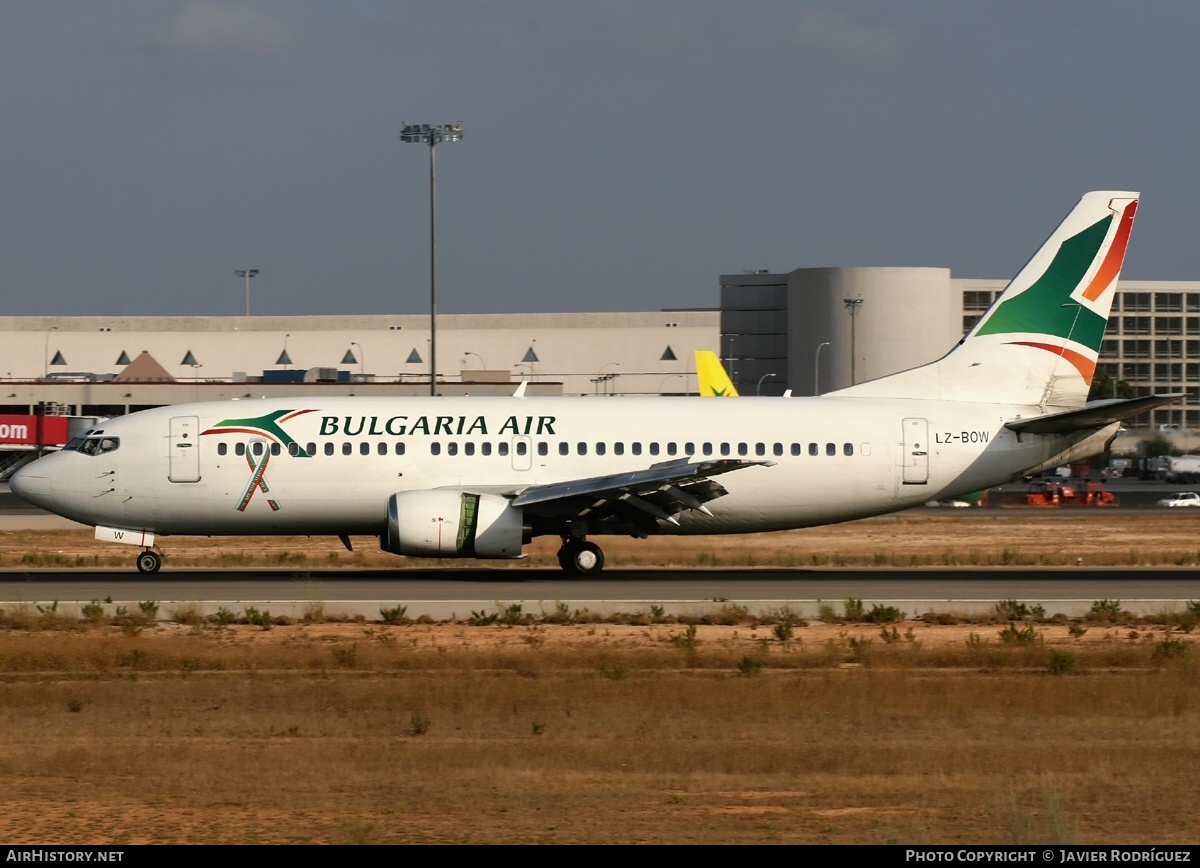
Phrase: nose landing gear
(149, 561)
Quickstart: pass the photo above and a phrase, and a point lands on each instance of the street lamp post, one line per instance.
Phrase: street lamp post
(758, 389)
(46, 352)
(247, 273)
(432, 134)
(817, 368)
(362, 358)
(482, 364)
(852, 305)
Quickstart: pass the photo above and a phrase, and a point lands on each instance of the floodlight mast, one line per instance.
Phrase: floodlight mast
(247, 273)
(432, 135)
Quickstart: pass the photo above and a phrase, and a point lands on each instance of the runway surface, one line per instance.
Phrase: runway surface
(443, 593)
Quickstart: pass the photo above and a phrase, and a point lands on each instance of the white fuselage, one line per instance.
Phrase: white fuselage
(191, 469)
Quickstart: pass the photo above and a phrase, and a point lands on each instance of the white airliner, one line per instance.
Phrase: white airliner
(480, 477)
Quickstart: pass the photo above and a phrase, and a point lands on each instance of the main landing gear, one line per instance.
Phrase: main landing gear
(578, 557)
(149, 561)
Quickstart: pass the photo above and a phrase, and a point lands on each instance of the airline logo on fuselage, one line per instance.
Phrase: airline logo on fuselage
(450, 426)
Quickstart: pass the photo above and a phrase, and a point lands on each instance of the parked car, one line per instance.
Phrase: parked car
(1181, 498)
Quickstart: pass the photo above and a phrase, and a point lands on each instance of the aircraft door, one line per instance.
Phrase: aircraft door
(185, 449)
(916, 452)
(522, 453)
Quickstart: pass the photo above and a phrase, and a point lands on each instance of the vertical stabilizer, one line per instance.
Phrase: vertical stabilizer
(1038, 343)
(711, 375)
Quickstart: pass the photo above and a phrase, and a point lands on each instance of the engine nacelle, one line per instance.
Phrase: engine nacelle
(436, 524)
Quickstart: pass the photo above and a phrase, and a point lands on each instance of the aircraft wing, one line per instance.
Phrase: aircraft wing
(659, 492)
(1096, 414)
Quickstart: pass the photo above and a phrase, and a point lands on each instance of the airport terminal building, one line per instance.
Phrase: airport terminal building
(810, 331)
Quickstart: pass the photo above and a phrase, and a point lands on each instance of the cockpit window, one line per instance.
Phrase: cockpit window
(97, 445)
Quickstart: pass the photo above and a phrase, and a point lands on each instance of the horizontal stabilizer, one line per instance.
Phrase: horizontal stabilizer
(1097, 414)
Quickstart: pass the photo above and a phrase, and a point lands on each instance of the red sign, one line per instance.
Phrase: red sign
(33, 430)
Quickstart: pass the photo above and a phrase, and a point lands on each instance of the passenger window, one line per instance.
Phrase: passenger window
(636, 448)
(653, 448)
(618, 449)
(778, 450)
(847, 448)
(381, 449)
(311, 449)
(435, 448)
(671, 449)
(743, 449)
(502, 448)
(813, 449)
(760, 448)
(222, 448)
(293, 448)
(328, 448)
(796, 450)
(707, 448)
(724, 448)
(276, 448)
(522, 447)
(831, 449)
(364, 448)
(486, 448)
(258, 448)
(451, 448)
(564, 448)
(469, 448)
(347, 448)
(239, 449)
(543, 449)
(581, 449)
(398, 449)
(600, 449)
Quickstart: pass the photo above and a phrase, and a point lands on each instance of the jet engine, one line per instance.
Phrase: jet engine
(433, 524)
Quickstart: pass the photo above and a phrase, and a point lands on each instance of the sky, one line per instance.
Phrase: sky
(617, 154)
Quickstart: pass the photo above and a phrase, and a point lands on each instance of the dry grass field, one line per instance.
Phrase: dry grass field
(742, 731)
(654, 732)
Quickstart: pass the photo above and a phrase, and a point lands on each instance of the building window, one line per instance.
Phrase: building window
(1136, 301)
(1168, 302)
(975, 299)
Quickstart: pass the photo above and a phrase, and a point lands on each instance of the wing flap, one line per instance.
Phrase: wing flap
(659, 492)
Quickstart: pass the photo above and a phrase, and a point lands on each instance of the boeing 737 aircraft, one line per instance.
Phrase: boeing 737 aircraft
(480, 477)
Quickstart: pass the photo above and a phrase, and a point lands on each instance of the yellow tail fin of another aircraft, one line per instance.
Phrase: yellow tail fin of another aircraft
(710, 373)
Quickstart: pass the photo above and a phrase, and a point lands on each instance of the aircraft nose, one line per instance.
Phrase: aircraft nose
(29, 485)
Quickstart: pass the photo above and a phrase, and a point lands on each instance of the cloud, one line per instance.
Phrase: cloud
(210, 26)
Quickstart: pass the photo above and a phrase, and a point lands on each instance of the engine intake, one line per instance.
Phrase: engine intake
(434, 524)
